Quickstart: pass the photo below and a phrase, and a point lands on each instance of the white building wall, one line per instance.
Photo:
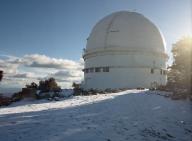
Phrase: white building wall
(130, 70)
(124, 78)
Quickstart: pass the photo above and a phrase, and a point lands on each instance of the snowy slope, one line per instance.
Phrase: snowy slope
(131, 115)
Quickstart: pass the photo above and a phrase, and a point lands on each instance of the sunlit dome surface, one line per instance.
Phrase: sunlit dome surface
(128, 30)
(124, 50)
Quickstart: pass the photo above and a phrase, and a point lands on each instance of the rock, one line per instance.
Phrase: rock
(50, 99)
(169, 135)
(56, 98)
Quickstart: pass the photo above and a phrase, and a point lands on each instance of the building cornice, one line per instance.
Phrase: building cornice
(122, 51)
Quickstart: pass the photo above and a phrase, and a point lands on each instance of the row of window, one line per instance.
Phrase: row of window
(106, 69)
(97, 69)
(162, 72)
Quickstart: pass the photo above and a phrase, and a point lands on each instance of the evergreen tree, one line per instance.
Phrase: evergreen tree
(49, 85)
(1, 75)
(32, 85)
(180, 73)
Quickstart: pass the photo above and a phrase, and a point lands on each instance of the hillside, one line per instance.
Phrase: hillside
(133, 115)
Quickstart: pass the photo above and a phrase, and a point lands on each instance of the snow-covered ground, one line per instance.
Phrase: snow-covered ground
(132, 115)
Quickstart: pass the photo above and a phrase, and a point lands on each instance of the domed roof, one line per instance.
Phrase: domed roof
(127, 30)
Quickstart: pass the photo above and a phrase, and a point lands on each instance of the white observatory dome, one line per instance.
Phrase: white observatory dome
(124, 50)
(126, 30)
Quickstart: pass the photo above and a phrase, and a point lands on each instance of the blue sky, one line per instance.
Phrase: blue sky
(57, 29)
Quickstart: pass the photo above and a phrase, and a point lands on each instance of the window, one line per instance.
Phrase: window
(161, 71)
(105, 69)
(97, 69)
(91, 69)
(86, 70)
(164, 72)
(152, 71)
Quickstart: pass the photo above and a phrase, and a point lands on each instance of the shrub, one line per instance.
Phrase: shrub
(77, 90)
(49, 85)
(17, 97)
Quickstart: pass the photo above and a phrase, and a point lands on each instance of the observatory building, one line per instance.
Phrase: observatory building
(124, 50)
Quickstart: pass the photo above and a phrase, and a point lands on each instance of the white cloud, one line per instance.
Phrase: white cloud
(68, 76)
(7, 65)
(33, 67)
(24, 75)
(43, 61)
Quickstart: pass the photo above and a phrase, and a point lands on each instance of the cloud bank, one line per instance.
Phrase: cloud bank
(20, 71)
